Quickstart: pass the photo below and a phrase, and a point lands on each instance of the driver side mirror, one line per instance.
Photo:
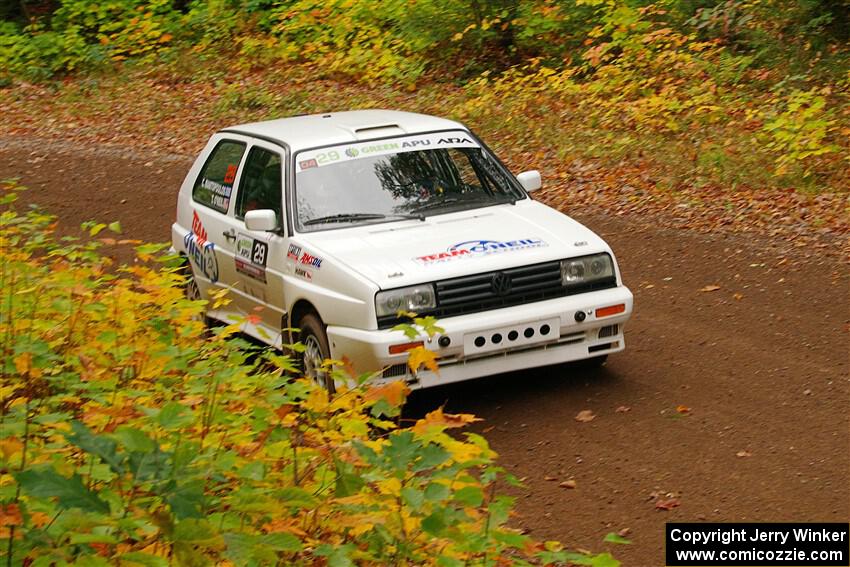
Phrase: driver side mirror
(262, 220)
(530, 180)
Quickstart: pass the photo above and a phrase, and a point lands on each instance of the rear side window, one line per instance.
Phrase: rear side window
(215, 183)
(260, 187)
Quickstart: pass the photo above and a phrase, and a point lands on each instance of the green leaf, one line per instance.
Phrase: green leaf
(195, 531)
(604, 560)
(297, 497)
(187, 501)
(282, 542)
(511, 539)
(98, 445)
(92, 538)
(616, 538)
(255, 470)
(470, 496)
(115, 227)
(134, 440)
(429, 457)
(338, 556)
(174, 415)
(45, 482)
(436, 492)
(413, 498)
(435, 523)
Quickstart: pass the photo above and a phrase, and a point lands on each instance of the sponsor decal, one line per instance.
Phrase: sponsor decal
(220, 194)
(293, 252)
(326, 156)
(473, 248)
(251, 257)
(416, 143)
(252, 271)
(454, 141)
(230, 176)
(198, 229)
(202, 255)
(306, 274)
(310, 260)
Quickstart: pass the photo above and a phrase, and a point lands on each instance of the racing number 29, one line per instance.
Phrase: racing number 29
(259, 253)
(327, 157)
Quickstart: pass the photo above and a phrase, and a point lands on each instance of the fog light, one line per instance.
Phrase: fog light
(580, 316)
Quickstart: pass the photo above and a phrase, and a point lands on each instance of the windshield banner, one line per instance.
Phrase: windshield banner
(347, 152)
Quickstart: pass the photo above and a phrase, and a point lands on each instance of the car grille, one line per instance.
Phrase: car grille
(501, 288)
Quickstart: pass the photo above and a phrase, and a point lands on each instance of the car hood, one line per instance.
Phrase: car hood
(456, 244)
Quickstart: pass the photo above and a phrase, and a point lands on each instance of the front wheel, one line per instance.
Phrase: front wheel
(316, 351)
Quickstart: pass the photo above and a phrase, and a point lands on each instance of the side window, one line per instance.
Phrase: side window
(260, 187)
(215, 183)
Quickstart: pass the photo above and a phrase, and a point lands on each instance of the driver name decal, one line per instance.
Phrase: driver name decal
(475, 248)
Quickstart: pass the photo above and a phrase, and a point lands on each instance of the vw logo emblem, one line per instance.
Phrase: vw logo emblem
(501, 284)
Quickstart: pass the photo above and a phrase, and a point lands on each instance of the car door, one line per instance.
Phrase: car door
(259, 256)
(210, 244)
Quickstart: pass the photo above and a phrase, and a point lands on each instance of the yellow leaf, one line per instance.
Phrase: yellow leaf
(420, 356)
(393, 392)
(437, 418)
(10, 446)
(23, 362)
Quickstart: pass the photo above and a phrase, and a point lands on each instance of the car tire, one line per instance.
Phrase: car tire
(312, 335)
(192, 292)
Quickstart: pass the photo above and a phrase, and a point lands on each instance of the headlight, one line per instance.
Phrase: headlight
(415, 298)
(586, 269)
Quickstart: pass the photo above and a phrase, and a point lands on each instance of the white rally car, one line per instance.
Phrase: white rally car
(332, 224)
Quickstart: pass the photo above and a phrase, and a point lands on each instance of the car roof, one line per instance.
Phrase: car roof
(314, 130)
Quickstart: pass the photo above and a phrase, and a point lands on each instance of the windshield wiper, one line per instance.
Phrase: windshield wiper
(450, 201)
(354, 217)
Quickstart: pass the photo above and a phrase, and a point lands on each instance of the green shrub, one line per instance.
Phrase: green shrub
(131, 437)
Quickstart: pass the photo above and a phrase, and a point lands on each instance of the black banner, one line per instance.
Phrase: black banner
(758, 545)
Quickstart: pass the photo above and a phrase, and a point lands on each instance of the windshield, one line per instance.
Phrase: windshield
(409, 177)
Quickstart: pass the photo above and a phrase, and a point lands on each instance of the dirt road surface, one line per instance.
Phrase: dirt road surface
(727, 405)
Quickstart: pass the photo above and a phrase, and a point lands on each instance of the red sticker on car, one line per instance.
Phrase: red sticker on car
(230, 175)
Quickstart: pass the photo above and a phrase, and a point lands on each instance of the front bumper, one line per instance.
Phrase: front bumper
(492, 342)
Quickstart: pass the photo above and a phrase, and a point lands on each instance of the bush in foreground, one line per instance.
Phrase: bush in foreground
(130, 436)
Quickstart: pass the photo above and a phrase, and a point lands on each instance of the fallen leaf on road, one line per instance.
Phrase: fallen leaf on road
(568, 484)
(649, 286)
(738, 296)
(488, 429)
(624, 532)
(743, 454)
(683, 409)
(585, 415)
(623, 409)
(710, 288)
(550, 478)
(616, 538)
(667, 504)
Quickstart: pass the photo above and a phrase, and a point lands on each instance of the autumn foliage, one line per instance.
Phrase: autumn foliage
(130, 435)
